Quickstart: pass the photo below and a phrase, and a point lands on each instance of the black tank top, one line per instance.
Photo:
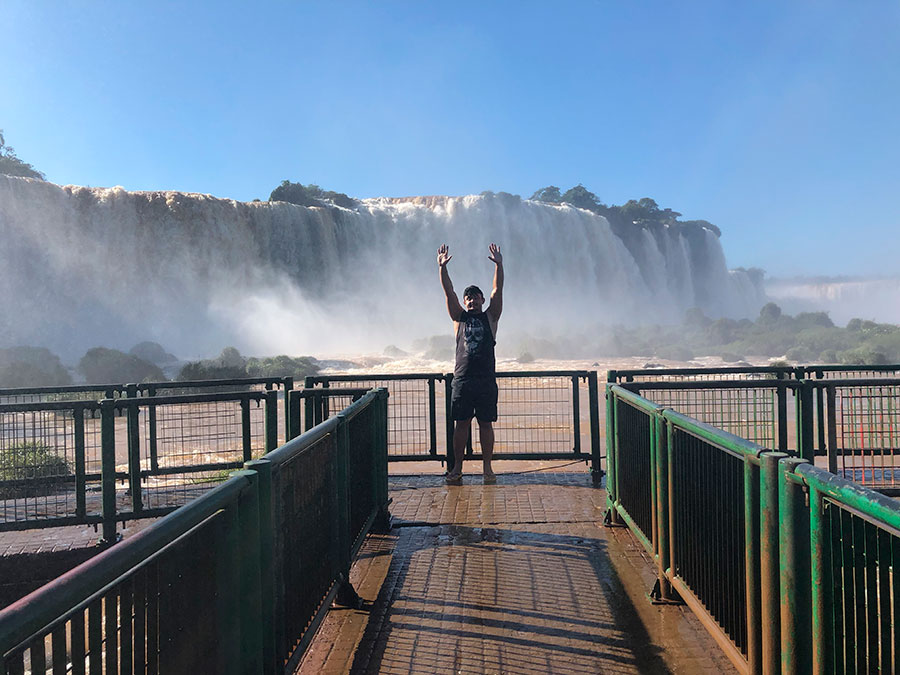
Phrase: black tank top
(474, 347)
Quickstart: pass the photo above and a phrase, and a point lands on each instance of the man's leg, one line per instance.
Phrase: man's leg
(460, 439)
(486, 434)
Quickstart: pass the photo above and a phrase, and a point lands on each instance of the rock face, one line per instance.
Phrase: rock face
(81, 267)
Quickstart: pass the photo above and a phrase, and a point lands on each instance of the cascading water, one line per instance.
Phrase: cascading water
(81, 267)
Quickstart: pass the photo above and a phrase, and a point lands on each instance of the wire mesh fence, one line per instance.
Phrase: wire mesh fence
(49, 456)
(864, 432)
(187, 448)
(414, 426)
(755, 412)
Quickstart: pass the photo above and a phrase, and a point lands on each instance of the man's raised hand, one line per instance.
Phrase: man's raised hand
(443, 255)
(496, 257)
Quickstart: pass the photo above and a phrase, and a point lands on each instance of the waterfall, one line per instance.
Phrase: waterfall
(83, 267)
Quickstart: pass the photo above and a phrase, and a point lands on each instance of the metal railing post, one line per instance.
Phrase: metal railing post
(805, 423)
(80, 465)
(662, 506)
(831, 416)
(769, 563)
(821, 588)
(153, 448)
(108, 469)
(781, 393)
(752, 563)
(793, 543)
(288, 383)
(432, 417)
(448, 394)
(594, 405)
(294, 414)
(263, 469)
(246, 436)
(248, 556)
(271, 420)
(228, 601)
(134, 454)
(612, 454)
(576, 413)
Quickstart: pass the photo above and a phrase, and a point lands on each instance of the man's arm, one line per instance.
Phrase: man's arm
(496, 306)
(453, 306)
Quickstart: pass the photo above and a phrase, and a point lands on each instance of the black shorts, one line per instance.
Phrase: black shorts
(476, 397)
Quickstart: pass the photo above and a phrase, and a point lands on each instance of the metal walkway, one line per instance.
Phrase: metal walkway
(520, 577)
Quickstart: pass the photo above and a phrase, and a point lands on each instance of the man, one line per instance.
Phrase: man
(474, 391)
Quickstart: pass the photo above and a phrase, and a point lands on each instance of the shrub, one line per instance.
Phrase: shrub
(29, 461)
(105, 366)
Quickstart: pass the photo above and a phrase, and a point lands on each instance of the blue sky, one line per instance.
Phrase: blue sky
(778, 121)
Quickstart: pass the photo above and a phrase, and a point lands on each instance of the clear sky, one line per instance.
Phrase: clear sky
(778, 121)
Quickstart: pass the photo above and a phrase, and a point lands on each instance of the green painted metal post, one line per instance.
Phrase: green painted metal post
(294, 414)
(228, 601)
(134, 454)
(611, 456)
(432, 417)
(594, 405)
(309, 405)
(108, 469)
(576, 413)
(80, 470)
(662, 506)
(288, 383)
(781, 404)
(831, 412)
(246, 436)
(820, 582)
(448, 417)
(769, 565)
(805, 422)
(248, 558)
(752, 563)
(152, 444)
(793, 548)
(271, 420)
(263, 469)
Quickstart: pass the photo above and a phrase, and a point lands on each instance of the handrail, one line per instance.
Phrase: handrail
(66, 593)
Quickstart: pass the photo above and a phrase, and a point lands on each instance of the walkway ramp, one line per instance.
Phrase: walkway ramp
(518, 577)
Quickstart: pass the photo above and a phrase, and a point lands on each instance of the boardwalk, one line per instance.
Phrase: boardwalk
(520, 577)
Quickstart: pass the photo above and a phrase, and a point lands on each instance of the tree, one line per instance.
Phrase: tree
(583, 198)
(12, 165)
(549, 194)
(310, 195)
(110, 366)
(770, 313)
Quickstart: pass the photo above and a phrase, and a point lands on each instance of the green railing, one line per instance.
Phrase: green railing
(107, 461)
(789, 567)
(542, 415)
(236, 581)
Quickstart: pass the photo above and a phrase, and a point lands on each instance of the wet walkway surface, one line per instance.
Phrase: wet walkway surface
(518, 577)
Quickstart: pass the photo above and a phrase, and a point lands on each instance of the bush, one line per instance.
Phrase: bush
(229, 365)
(30, 461)
(110, 366)
(282, 366)
(31, 367)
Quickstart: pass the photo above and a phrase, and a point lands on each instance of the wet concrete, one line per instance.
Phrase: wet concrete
(519, 577)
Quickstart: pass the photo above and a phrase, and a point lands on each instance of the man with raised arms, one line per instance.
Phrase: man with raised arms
(474, 387)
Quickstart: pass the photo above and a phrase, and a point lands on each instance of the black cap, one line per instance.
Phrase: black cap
(472, 290)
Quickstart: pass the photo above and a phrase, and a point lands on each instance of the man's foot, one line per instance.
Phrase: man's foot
(453, 478)
(490, 479)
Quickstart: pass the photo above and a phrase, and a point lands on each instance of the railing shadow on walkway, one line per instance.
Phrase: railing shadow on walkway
(513, 634)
